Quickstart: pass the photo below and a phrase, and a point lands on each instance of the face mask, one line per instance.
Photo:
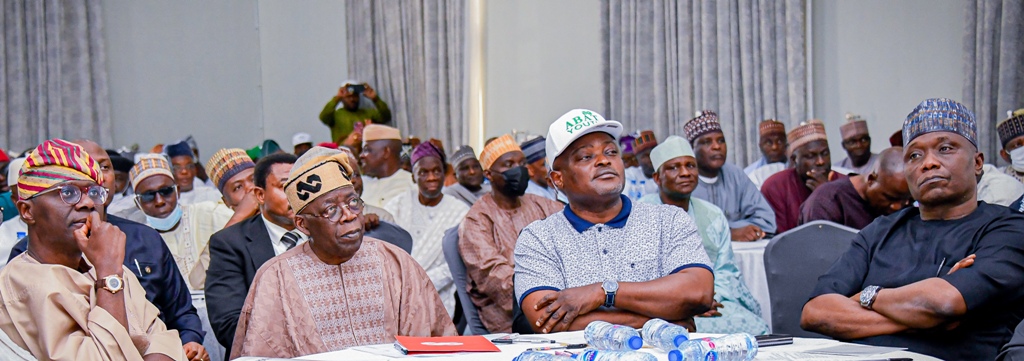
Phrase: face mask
(516, 181)
(165, 224)
(1017, 159)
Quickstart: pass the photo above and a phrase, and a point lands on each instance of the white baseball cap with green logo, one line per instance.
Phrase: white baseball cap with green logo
(573, 125)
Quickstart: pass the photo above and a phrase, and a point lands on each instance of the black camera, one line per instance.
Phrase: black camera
(356, 88)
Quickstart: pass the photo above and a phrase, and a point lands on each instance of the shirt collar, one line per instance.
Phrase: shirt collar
(582, 225)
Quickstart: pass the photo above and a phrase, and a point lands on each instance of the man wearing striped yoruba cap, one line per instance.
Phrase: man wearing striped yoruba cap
(231, 170)
(73, 269)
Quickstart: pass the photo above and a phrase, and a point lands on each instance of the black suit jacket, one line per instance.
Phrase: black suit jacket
(236, 253)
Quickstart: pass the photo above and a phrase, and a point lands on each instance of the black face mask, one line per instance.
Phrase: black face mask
(516, 181)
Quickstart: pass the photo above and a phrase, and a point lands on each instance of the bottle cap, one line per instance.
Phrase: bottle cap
(675, 355)
(636, 342)
(680, 339)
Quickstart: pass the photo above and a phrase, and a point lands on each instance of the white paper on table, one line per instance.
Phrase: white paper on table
(389, 350)
(855, 350)
(791, 356)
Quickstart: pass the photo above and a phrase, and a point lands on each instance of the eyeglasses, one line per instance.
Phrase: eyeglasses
(72, 194)
(333, 213)
(180, 168)
(150, 196)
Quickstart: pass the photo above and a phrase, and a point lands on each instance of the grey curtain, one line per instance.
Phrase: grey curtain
(994, 65)
(667, 59)
(53, 73)
(412, 53)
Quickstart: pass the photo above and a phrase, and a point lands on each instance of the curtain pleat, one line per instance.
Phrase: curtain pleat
(412, 53)
(666, 60)
(53, 73)
(993, 65)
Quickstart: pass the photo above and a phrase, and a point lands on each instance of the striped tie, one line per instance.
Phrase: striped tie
(290, 239)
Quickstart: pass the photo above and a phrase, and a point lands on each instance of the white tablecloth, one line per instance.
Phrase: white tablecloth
(750, 261)
(508, 352)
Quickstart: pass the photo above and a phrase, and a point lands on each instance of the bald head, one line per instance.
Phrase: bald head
(890, 163)
(886, 187)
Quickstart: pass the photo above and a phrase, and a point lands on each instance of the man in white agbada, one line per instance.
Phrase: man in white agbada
(425, 212)
(383, 177)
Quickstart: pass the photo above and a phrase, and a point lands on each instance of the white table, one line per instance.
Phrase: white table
(508, 352)
(750, 261)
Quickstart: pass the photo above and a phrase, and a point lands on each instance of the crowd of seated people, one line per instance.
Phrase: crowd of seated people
(119, 255)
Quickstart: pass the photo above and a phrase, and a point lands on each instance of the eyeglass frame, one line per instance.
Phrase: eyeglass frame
(347, 206)
(60, 186)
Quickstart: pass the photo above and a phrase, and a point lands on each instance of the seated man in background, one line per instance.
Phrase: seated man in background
(724, 184)
(857, 143)
(533, 149)
(69, 297)
(638, 179)
(772, 142)
(237, 251)
(604, 257)
(856, 201)
(942, 279)
(995, 187)
(426, 213)
(153, 264)
(812, 166)
(10, 211)
(183, 165)
(231, 172)
(13, 230)
(340, 289)
(487, 237)
(735, 309)
(1011, 138)
(121, 167)
(380, 161)
(186, 228)
(342, 121)
(301, 142)
(470, 177)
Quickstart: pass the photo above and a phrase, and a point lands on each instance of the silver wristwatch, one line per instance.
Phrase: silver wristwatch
(867, 296)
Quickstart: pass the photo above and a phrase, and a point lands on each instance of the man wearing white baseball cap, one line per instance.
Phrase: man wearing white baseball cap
(301, 142)
(604, 257)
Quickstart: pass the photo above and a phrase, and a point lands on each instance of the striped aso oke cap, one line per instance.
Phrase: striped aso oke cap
(497, 148)
(1011, 127)
(809, 131)
(534, 149)
(53, 162)
(644, 141)
(705, 122)
(940, 115)
(226, 163)
(149, 165)
(317, 172)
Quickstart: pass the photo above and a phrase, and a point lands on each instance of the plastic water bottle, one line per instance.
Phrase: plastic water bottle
(597, 355)
(605, 336)
(541, 356)
(734, 347)
(694, 350)
(663, 335)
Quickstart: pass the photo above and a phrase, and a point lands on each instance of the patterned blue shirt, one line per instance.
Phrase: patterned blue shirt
(643, 242)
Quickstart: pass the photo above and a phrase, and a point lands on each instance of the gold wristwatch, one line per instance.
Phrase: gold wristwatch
(112, 283)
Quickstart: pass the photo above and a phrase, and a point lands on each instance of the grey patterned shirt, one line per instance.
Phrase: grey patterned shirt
(642, 243)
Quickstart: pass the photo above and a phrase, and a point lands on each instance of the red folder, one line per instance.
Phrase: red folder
(451, 344)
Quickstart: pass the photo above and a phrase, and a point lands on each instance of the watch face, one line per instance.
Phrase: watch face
(113, 283)
(610, 286)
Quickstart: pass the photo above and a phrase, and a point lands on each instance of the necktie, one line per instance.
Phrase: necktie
(290, 239)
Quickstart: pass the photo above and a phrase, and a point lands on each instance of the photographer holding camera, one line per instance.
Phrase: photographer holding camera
(343, 120)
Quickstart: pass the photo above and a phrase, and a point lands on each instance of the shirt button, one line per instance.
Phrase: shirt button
(632, 265)
(599, 229)
(605, 251)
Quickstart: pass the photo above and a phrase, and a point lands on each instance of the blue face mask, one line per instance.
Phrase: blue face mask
(165, 224)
